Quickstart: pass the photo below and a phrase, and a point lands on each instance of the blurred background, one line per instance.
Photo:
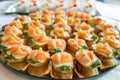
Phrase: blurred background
(107, 1)
(113, 1)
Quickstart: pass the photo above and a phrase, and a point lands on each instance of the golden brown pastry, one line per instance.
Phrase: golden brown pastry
(105, 53)
(16, 57)
(87, 63)
(39, 62)
(62, 67)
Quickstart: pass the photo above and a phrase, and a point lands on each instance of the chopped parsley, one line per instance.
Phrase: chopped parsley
(1, 35)
(9, 56)
(51, 26)
(64, 68)
(96, 63)
(95, 38)
(92, 25)
(83, 47)
(116, 52)
(48, 32)
(37, 19)
(33, 61)
(26, 35)
(3, 48)
(55, 50)
(25, 24)
(32, 43)
(3, 27)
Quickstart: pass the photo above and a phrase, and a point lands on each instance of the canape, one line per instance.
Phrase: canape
(39, 63)
(87, 63)
(62, 67)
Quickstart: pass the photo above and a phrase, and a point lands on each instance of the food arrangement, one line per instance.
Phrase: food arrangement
(59, 44)
(28, 6)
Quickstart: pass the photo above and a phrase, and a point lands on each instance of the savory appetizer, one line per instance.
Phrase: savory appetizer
(87, 63)
(38, 41)
(59, 19)
(10, 40)
(39, 62)
(62, 67)
(10, 30)
(47, 12)
(71, 14)
(46, 20)
(111, 40)
(74, 22)
(24, 20)
(61, 30)
(84, 34)
(74, 44)
(17, 23)
(17, 53)
(105, 53)
(84, 26)
(110, 31)
(96, 23)
(16, 57)
(35, 15)
(59, 13)
(36, 23)
(56, 45)
(32, 31)
(85, 17)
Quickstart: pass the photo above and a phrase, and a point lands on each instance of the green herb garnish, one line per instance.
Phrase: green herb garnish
(26, 24)
(48, 32)
(32, 43)
(1, 35)
(26, 35)
(116, 52)
(55, 50)
(83, 47)
(96, 63)
(95, 38)
(9, 56)
(33, 61)
(92, 25)
(3, 48)
(3, 27)
(51, 26)
(64, 68)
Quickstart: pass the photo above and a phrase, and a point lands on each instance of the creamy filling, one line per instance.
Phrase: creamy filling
(65, 67)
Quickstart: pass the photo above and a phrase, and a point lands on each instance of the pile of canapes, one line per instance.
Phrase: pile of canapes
(59, 44)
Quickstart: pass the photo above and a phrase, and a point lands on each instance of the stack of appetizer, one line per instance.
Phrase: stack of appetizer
(57, 44)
